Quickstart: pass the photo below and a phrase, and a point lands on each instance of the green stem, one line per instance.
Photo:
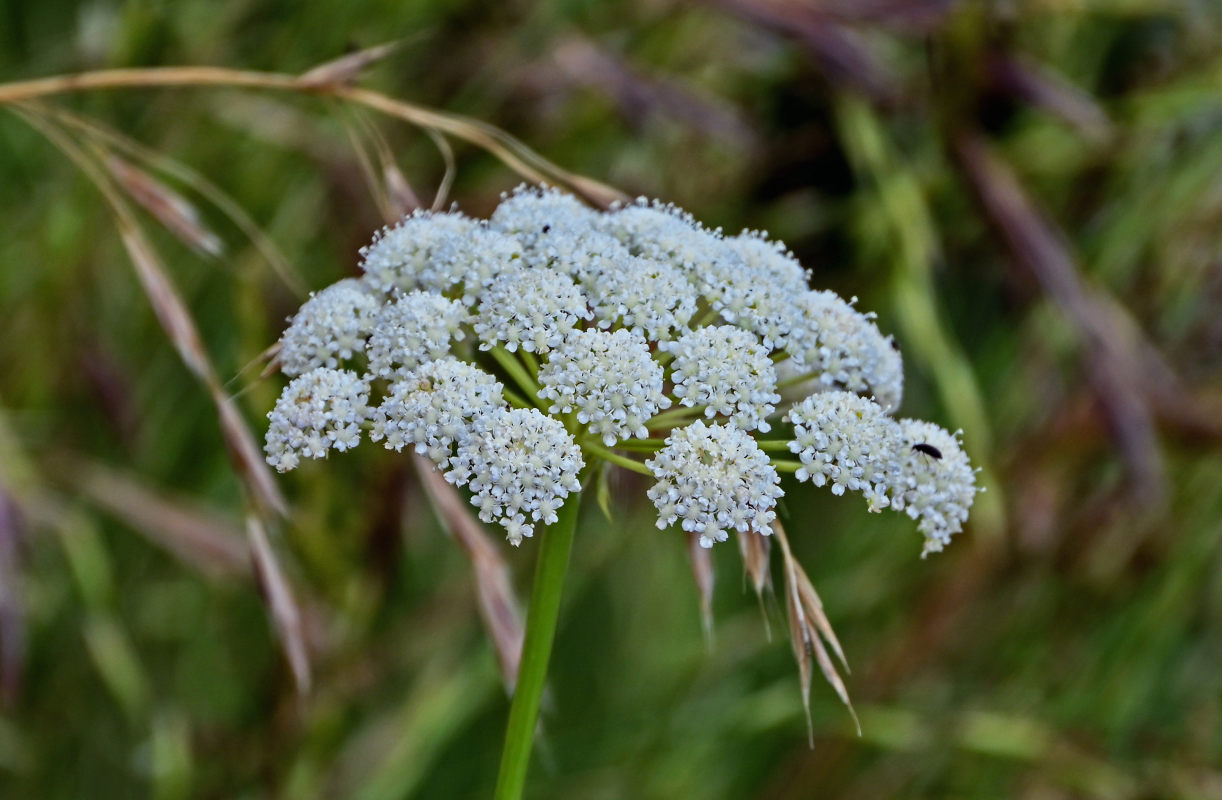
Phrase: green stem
(530, 361)
(774, 445)
(646, 445)
(515, 370)
(554, 549)
(796, 379)
(514, 398)
(781, 465)
(615, 458)
(681, 414)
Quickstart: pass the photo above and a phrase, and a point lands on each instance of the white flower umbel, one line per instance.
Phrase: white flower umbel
(317, 411)
(726, 370)
(330, 328)
(609, 379)
(519, 465)
(609, 320)
(415, 328)
(528, 307)
(643, 295)
(847, 441)
(937, 490)
(714, 478)
(401, 255)
(433, 408)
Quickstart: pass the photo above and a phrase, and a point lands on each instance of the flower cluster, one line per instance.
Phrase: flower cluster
(522, 353)
(609, 379)
(714, 478)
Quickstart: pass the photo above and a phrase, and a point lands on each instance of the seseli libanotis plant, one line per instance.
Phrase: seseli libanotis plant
(526, 354)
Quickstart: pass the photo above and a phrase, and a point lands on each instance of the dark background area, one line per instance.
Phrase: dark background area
(1030, 196)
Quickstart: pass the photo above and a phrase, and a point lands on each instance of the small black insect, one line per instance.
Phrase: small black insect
(547, 228)
(927, 449)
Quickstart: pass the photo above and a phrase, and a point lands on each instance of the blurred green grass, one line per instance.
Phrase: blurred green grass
(1066, 646)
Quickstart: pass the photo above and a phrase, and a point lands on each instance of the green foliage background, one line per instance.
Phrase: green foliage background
(1068, 645)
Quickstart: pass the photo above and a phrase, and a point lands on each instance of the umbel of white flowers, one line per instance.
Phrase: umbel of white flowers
(518, 353)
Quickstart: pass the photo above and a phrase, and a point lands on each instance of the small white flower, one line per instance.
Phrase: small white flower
(937, 491)
(847, 441)
(770, 261)
(400, 256)
(846, 348)
(519, 465)
(609, 379)
(714, 478)
(413, 329)
(473, 261)
(317, 411)
(537, 215)
(727, 371)
(433, 408)
(530, 308)
(329, 328)
(643, 295)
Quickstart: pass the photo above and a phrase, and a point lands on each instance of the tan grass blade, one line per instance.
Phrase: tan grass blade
(1110, 358)
(279, 598)
(498, 605)
(702, 572)
(345, 69)
(170, 208)
(401, 199)
(808, 629)
(153, 159)
(198, 539)
(12, 613)
(813, 607)
(755, 550)
(799, 638)
(515, 154)
(180, 328)
(447, 180)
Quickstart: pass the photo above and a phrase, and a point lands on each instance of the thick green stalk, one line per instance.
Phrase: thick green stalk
(554, 549)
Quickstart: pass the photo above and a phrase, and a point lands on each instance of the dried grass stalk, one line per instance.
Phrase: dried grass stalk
(702, 571)
(810, 633)
(498, 606)
(279, 598)
(12, 613)
(194, 537)
(345, 69)
(171, 209)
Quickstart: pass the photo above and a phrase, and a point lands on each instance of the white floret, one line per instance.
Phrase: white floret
(318, 411)
(727, 371)
(646, 296)
(713, 479)
(609, 379)
(329, 328)
(845, 349)
(414, 329)
(845, 441)
(401, 255)
(531, 308)
(433, 407)
(536, 214)
(519, 465)
(938, 492)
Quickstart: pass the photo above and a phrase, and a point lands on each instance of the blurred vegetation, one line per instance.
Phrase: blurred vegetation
(1028, 193)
